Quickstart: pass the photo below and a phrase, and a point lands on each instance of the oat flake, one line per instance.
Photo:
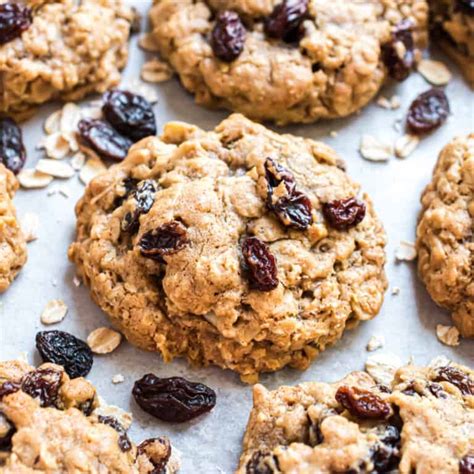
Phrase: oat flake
(405, 145)
(382, 367)
(103, 340)
(55, 168)
(54, 312)
(375, 342)
(118, 378)
(29, 226)
(31, 179)
(56, 146)
(91, 169)
(435, 72)
(374, 150)
(406, 251)
(156, 71)
(448, 335)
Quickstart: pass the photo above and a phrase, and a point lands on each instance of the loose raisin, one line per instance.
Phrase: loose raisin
(43, 384)
(466, 464)
(458, 378)
(104, 139)
(292, 207)
(362, 403)
(228, 36)
(144, 196)
(259, 264)
(123, 440)
(7, 430)
(465, 6)
(158, 453)
(130, 114)
(397, 54)
(343, 214)
(386, 453)
(12, 150)
(167, 239)
(64, 349)
(286, 19)
(262, 462)
(15, 18)
(428, 111)
(173, 399)
(6, 388)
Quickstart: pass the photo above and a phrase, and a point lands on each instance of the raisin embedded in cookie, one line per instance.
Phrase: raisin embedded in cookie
(290, 60)
(422, 423)
(12, 241)
(445, 233)
(452, 24)
(238, 247)
(50, 423)
(59, 50)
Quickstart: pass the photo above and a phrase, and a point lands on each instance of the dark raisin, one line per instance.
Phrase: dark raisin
(165, 240)
(397, 54)
(6, 388)
(64, 349)
(130, 114)
(15, 18)
(259, 264)
(173, 399)
(104, 139)
(7, 430)
(385, 454)
(286, 19)
(362, 403)
(437, 390)
(262, 462)
(43, 384)
(228, 36)
(157, 451)
(343, 214)
(458, 378)
(123, 441)
(466, 464)
(292, 207)
(129, 185)
(12, 150)
(465, 6)
(145, 197)
(428, 111)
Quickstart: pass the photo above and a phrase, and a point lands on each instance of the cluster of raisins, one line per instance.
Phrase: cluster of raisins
(129, 118)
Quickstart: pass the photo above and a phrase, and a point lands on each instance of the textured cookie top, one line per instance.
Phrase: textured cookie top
(52, 424)
(445, 233)
(71, 48)
(12, 242)
(332, 66)
(222, 246)
(424, 422)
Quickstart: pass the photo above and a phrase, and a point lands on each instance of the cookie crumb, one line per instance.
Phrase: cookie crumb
(148, 43)
(146, 90)
(54, 312)
(333, 134)
(448, 335)
(375, 342)
(382, 367)
(406, 251)
(76, 282)
(118, 378)
(405, 145)
(435, 72)
(373, 149)
(395, 290)
(103, 340)
(383, 102)
(104, 409)
(29, 226)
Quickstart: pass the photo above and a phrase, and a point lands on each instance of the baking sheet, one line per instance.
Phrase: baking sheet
(211, 443)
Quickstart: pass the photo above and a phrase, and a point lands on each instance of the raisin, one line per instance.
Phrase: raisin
(12, 150)
(465, 6)
(397, 54)
(385, 454)
(104, 139)
(286, 19)
(314, 433)
(7, 430)
(428, 111)
(362, 403)
(173, 399)
(64, 349)
(458, 378)
(292, 207)
(437, 390)
(43, 384)
(145, 197)
(167, 239)
(466, 464)
(259, 264)
(262, 462)
(6, 388)
(15, 18)
(123, 441)
(130, 114)
(228, 36)
(158, 453)
(344, 213)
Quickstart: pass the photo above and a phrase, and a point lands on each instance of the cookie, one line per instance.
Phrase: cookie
(422, 423)
(61, 49)
(445, 233)
(12, 241)
(296, 61)
(238, 247)
(51, 423)
(452, 23)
